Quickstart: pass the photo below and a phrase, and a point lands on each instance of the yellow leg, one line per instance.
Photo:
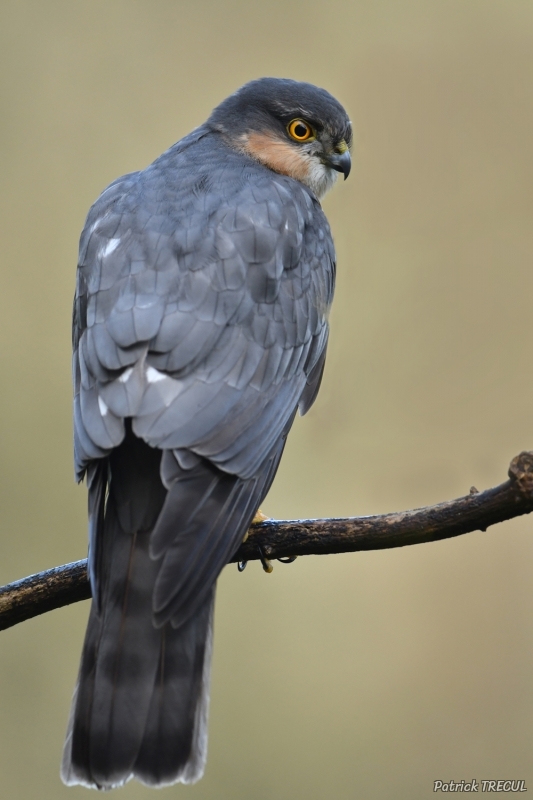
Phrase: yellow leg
(259, 517)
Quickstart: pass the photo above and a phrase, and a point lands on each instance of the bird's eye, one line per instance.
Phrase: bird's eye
(300, 130)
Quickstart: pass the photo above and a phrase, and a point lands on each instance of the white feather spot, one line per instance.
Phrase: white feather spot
(110, 247)
(126, 374)
(153, 375)
(102, 406)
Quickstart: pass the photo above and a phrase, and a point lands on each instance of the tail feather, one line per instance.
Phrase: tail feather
(140, 706)
(174, 747)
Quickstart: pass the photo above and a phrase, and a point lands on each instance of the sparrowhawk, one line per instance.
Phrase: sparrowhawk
(200, 326)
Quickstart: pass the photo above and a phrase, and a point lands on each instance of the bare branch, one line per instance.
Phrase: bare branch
(67, 584)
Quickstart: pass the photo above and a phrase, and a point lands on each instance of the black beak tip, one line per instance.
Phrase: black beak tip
(342, 162)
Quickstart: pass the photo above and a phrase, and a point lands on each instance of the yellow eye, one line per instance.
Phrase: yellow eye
(300, 130)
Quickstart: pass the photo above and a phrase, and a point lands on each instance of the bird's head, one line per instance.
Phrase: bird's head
(293, 128)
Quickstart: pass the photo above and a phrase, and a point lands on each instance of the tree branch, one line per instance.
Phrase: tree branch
(67, 584)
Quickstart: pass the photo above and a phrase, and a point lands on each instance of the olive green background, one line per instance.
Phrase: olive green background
(354, 676)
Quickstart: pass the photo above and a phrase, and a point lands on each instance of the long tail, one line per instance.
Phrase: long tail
(156, 550)
(141, 701)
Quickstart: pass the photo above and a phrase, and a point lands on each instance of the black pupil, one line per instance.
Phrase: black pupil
(300, 130)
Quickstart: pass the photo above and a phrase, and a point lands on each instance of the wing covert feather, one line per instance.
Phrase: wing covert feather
(196, 306)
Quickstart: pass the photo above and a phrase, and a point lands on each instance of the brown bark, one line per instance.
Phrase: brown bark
(272, 539)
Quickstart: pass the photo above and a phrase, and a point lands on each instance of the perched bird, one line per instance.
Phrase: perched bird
(200, 326)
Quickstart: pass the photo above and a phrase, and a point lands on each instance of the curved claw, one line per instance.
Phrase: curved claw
(267, 565)
(241, 565)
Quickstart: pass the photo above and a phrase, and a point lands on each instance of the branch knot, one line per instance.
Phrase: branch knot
(521, 473)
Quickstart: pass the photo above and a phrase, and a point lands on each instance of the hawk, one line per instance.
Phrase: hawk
(200, 327)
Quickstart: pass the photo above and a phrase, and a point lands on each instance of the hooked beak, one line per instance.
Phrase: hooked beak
(342, 162)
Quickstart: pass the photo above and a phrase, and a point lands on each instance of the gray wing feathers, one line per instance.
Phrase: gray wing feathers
(215, 510)
(188, 326)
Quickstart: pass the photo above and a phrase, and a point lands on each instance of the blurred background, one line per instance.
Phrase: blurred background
(353, 676)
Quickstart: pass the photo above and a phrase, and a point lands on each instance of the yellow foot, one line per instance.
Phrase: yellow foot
(259, 517)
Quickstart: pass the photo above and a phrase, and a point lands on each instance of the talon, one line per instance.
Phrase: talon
(267, 565)
(288, 559)
(241, 565)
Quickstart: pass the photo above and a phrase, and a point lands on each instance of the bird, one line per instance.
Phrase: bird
(200, 327)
